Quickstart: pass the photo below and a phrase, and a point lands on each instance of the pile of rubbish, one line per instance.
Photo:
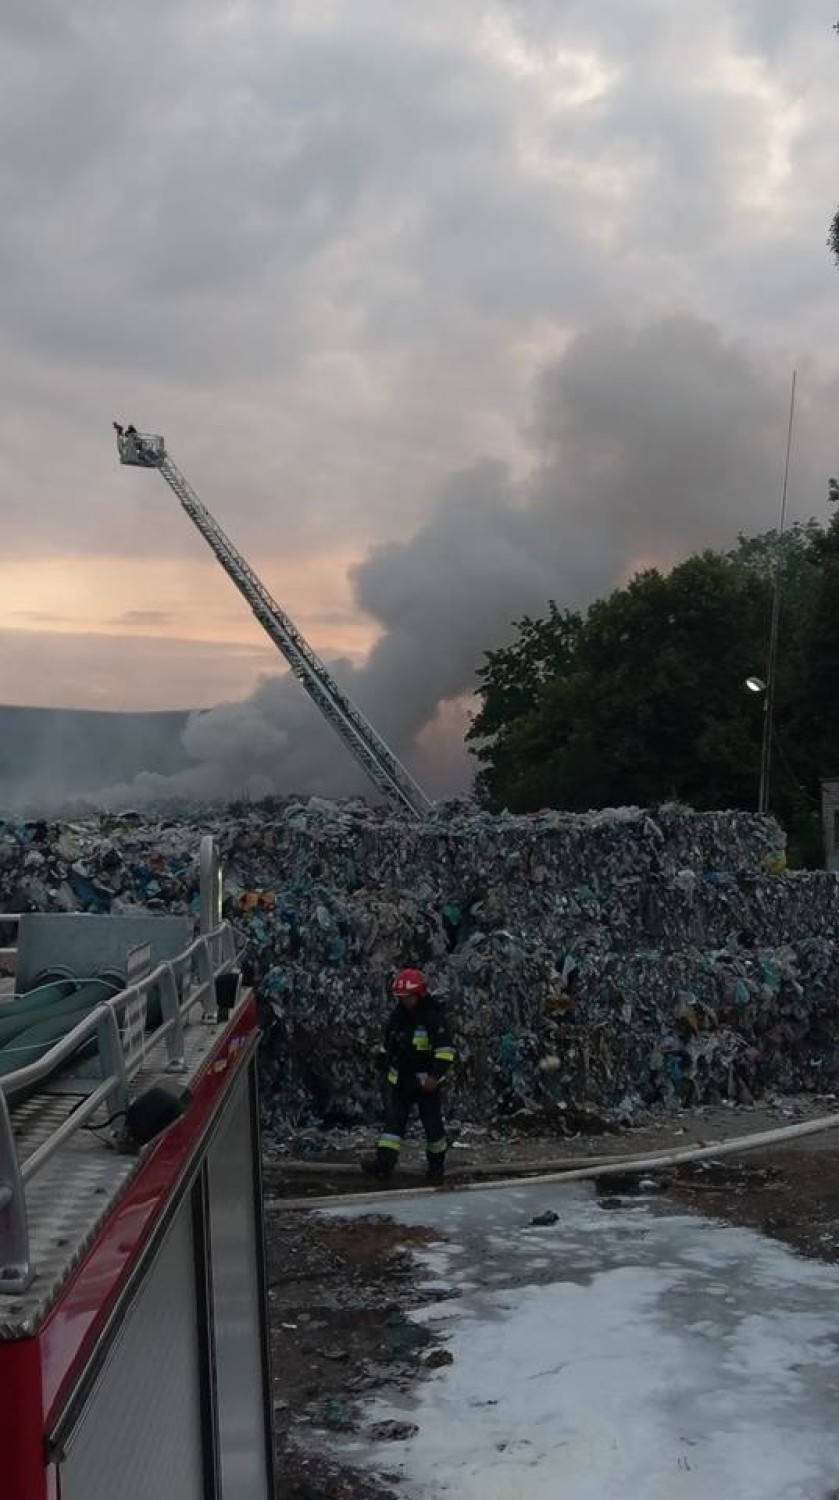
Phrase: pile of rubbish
(607, 962)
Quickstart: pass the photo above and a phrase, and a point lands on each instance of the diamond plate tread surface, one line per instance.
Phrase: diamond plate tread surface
(68, 1200)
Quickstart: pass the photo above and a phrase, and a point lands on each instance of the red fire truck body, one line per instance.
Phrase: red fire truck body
(133, 1329)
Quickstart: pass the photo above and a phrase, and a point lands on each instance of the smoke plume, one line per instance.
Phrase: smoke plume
(648, 443)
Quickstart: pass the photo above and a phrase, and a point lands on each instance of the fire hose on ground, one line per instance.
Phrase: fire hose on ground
(591, 1170)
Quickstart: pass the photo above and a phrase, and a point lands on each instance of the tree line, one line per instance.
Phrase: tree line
(642, 697)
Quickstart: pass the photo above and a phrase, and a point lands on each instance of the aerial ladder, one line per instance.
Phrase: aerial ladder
(148, 451)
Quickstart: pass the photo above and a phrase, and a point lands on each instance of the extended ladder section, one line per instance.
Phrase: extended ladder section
(148, 451)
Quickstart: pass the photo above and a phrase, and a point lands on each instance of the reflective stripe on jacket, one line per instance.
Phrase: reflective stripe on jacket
(418, 1042)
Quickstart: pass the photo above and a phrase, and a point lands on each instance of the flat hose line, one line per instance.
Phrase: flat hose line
(615, 1167)
(299, 1167)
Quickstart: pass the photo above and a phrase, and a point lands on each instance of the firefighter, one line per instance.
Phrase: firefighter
(418, 1055)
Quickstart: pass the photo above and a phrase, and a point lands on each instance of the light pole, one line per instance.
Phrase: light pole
(757, 684)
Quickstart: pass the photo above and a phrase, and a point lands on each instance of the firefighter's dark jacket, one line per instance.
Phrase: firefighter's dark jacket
(417, 1042)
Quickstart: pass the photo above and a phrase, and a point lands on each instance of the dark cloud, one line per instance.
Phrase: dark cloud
(326, 247)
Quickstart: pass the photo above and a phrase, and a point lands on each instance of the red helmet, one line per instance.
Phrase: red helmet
(410, 982)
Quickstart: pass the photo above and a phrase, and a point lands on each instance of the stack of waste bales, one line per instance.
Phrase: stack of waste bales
(610, 962)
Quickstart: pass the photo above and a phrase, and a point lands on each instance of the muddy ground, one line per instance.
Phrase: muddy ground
(339, 1295)
(791, 1194)
(341, 1291)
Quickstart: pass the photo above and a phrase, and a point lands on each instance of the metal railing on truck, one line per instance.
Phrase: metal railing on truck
(117, 1026)
(8, 953)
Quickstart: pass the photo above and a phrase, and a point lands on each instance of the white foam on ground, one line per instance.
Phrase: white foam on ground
(632, 1353)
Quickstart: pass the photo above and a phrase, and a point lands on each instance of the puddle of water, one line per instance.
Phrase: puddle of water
(638, 1352)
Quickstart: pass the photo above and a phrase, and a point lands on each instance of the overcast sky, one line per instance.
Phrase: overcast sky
(402, 286)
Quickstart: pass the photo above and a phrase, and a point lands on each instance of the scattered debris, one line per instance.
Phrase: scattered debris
(392, 1432)
(336, 1416)
(626, 1184)
(357, 1283)
(545, 1220)
(438, 1359)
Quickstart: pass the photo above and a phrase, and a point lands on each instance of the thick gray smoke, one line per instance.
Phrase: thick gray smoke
(649, 443)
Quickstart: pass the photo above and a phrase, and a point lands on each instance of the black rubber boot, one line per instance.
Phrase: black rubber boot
(436, 1172)
(375, 1165)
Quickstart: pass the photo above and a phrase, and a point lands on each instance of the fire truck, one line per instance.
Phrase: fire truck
(134, 1356)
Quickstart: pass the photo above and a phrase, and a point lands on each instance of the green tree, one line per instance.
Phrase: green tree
(643, 698)
(820, 669)
(511, 682)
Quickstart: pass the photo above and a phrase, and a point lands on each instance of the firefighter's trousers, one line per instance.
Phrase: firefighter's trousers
(398, 1108)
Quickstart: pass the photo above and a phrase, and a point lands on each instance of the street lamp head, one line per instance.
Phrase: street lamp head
(755, 684)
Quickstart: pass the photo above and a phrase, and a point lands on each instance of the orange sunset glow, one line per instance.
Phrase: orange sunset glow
(144, 633)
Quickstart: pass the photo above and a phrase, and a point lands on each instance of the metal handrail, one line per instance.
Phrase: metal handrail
(209, 955)
(36, 1072)
(6, 917)
(65, 1048)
